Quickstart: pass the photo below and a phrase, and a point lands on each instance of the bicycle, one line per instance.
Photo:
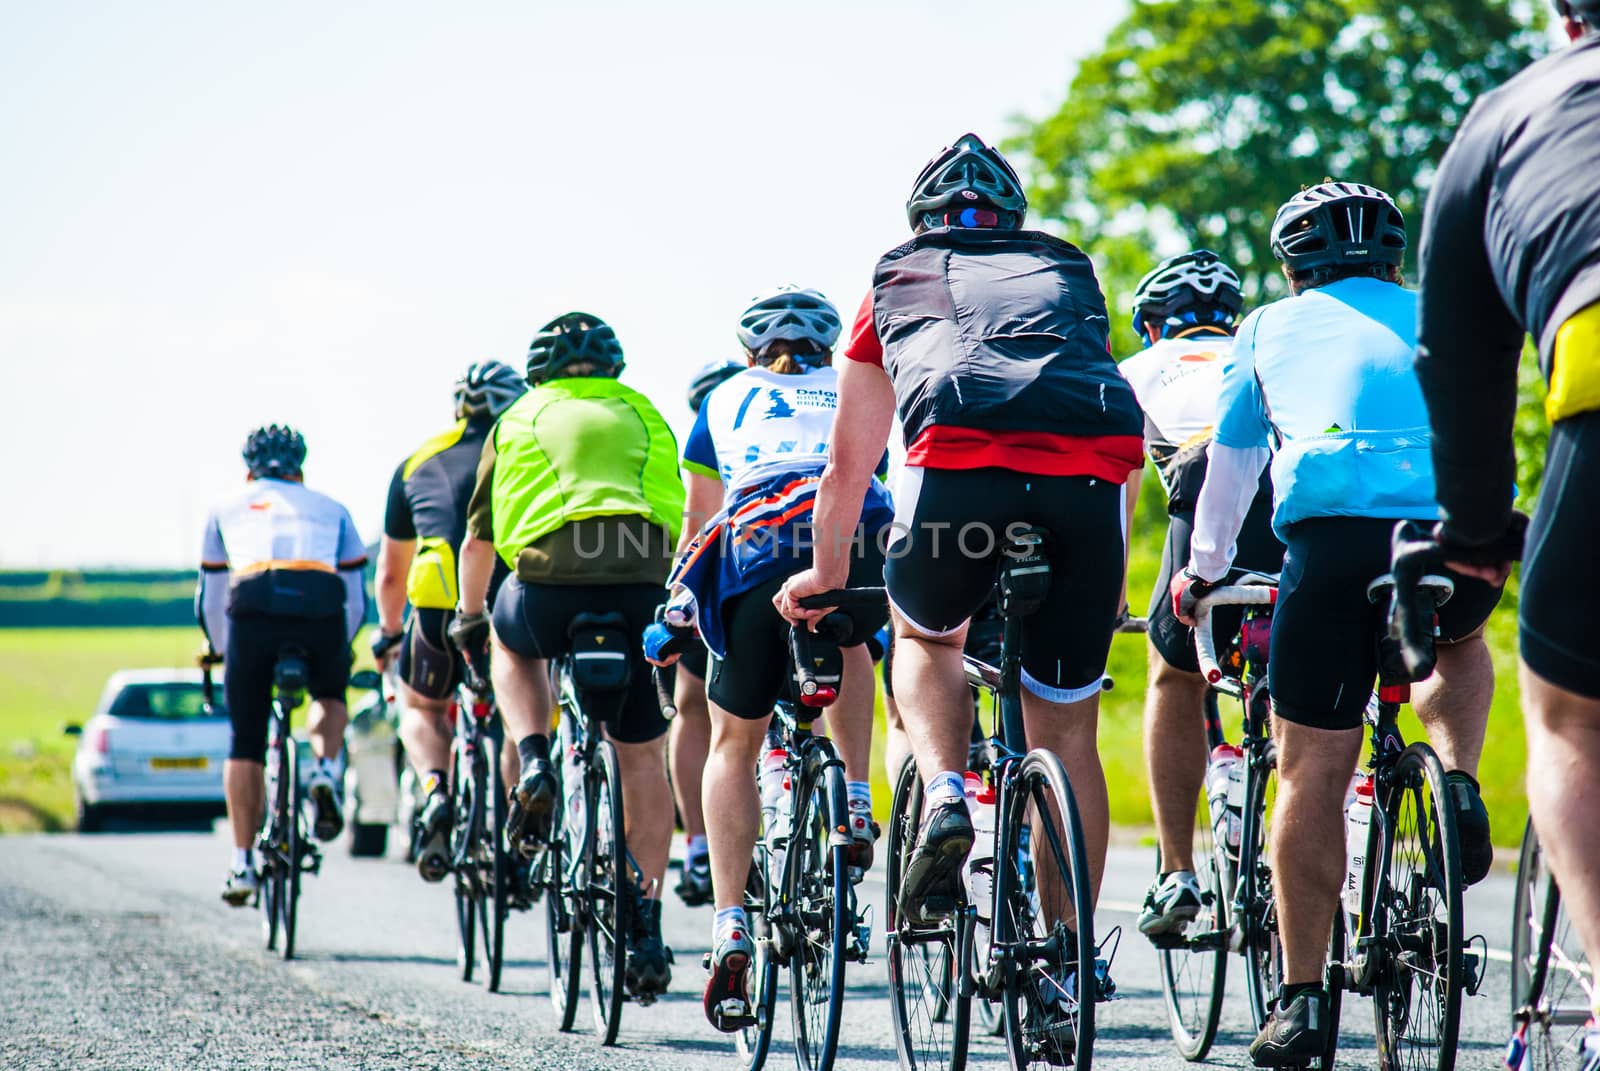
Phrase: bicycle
(1552, 983)
(583, 871)
(1024, 954)
(482, 865)
(284, 851)
(801, 899)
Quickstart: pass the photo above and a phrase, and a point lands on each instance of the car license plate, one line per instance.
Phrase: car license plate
(195, 762)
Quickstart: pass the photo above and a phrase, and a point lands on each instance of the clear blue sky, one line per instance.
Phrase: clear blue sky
(219, 215)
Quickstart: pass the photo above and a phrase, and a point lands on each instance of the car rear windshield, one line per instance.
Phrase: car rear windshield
(161, 702)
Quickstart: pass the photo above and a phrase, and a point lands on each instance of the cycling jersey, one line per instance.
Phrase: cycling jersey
(997, 345)
(428, 499)
(1176, 382)
(1511, 244)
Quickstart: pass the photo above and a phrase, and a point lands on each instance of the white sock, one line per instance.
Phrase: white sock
(860, 793)
(728, 920)
(241, 859)
(947, 787)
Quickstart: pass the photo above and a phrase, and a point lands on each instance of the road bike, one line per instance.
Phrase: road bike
(485, 874)
(1552, 983)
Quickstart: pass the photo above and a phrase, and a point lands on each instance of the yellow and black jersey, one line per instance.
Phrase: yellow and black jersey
(428, 504)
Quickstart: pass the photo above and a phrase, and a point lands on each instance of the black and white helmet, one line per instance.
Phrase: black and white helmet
(1338, 224)
(487, 389)
(275, 452)
(968, 174)
(709, 378)
(791, 313)
(1195, 288)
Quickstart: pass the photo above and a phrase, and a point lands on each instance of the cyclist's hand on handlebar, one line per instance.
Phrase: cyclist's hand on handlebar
(1490, 562)
(797, 587)
(1187, 589)
(470, 632)
(383, 648)
(664, 644)
(207, 657)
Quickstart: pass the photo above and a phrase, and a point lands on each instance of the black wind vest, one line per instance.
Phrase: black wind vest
(998, 331)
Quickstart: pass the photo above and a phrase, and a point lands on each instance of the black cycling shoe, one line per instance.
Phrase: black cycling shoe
(648, 971)
(433, 836)
(532, 804)
(931, 888)
(694, 887)
(1294, 1036)
(1472, 826)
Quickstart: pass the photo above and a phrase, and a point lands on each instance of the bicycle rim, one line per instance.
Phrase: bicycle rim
(609, 920)
(1044, 921)
(464, 834)
(268, 845)
(817, 909)
(929, 1015)
(754, 1042)
(1263, 953)
(1416, 995)
(1550, 978)
(497, 870)
(289, 865)
(1194, 965)
(563, 934)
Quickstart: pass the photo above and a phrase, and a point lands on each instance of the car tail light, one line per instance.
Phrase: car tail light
(99, 739)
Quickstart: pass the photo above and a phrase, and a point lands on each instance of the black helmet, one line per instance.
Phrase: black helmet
(487, 389)
(572, 338)
(709, 378)
(1196, 286)
(275, 452)
(968, 174)
(1337, 224)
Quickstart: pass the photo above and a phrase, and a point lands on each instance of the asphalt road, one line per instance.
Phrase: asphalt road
(115, 952)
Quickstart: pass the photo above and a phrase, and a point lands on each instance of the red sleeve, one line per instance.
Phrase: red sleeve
(864, 345)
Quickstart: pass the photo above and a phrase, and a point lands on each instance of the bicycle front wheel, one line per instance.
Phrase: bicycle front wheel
(816, 909)
(1194, 963)
(289, 865)
(465, 833)
(610, 912)
(930, 1017)
(1044, 920)
(1417, 918)
(1549, 1001)
(754, 1042)
(270, 846)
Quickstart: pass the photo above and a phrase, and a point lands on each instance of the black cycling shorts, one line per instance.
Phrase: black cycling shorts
(945, 549)
(695, 660)
(532, 620)
(754, 670)
(253, 645)
(1259, 551)
(429, 663)
(1324, 630)
(1559, 579)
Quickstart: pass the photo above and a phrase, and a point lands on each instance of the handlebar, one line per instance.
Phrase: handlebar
(1415, 554)
(846, 599)
(1205, 644)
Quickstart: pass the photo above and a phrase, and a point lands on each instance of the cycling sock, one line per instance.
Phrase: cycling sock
(1287, 993)
(728, 920)
(332, 767)
(859, 792)
(947, 787)
(698, 849)
(432, 781)
(241, 859)
(533, 748)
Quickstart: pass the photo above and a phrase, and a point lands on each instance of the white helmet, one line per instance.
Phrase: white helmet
(793, 313)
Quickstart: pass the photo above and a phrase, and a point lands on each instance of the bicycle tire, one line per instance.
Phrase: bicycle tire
(464, 832)
(563, 915)
(497, 869)
(610, 913)
(1549, 1007)
(269, 846)
(1049, 996)
(289, 865)
(816, 904)
(930, 1017)
(1194, 968)
(1417, 909)
(755, 1042)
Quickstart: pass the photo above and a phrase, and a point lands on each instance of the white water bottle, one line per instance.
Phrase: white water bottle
(572, 786)
(1226, 766)
(977, 873)
(1357, 819)
(773, 780)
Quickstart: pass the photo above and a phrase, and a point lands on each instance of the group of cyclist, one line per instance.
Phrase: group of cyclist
(1288, 442)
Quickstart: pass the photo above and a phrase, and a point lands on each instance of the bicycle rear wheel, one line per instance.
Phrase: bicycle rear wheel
(270, 847)
(1549, 1001)
(1194, 964)
(563, 927)
(289, 864)
(1417, 917)
(497, 872)
(816, 907)
(610, 911)
(754, 1042)
(930, 1017)
(465, 833)
(1044, 920)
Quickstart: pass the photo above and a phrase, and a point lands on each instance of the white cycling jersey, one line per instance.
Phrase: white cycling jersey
(281, 524)
(756, 422)
(1177, 381)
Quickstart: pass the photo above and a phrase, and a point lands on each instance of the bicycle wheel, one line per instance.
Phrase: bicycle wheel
(816, 907)
(563, 916)
(1417, 918)
(497, 872)
(1194, 964)
(1549, 974)
(293, 845)
(754, 1042)
(269, 846)
(1041, 893)
(465, 832)
(610, 912)
(930, 1017)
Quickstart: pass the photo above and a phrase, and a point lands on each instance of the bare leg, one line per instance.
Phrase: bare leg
(1307, 872)
(244, 788)
(1453, 704)
(510, 764)
(1564, 795)
(851, 715)
(935, 700)
(647, 808)
(896, 744)
(690, 744)
(522, 691)
(732, 802)
(1175, 755)
(1069, 730)
(424, 731)
(325, 724)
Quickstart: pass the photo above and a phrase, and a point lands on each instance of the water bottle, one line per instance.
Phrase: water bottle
(572, 786)
(977, 872)
(1226, 766)
(773, 780)
(1356, 820)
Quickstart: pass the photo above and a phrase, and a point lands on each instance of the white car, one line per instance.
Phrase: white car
(151, 743)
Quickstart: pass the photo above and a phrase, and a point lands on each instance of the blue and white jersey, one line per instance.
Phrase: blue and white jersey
(1326, 380)
(757, 421)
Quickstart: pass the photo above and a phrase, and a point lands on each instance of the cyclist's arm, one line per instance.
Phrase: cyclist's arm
(703, 502)
(476, 567)
(395, 551)
(1236, 456)
(211, 590)
(860, 429)
(353, 571)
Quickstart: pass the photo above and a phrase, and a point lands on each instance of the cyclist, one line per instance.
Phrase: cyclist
(279, 564)
(1325, 376)
(1511, 245)
(756, 451)
(1184, 311)
(689, 739)
(578, 491)
(992, 342)
(423, 526)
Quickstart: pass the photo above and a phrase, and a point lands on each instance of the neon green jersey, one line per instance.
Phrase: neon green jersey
(576, 448)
